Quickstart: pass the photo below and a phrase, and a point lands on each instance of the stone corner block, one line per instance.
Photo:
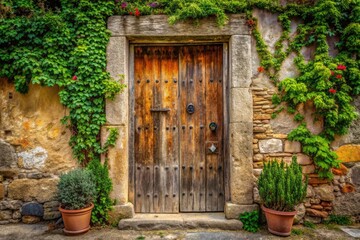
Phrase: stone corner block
(270, 146)
(232, 211)
(241, 102)
(120, 212)
(240, 61)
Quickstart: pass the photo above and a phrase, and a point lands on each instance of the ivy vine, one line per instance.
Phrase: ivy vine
(63, 43)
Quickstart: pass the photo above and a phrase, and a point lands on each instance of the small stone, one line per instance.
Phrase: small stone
(32, 209)
(300, 213)
(317, 207)
(8, 173)
(259, 129)
(342, 179)
(348, 188)
(12, 204)
(7, 156)
(316, 213)
(307, 205)
(52, 215)
(16, 215)
(270, 145)
(315, 201)
(4, 222)
(2, 191)
(5, 215)
(30, 219)
(310, 191)
(303, 159)
(325, 192)
(338, 194)
(326, 204)
(336, 182)
(328, 208)
(1, 178)
(257, 172)
(308, 169)
(258, 157)
(258, 165)
(292, 147)
(34, 175)
(281, 136)
(51, 204)
(336, 189)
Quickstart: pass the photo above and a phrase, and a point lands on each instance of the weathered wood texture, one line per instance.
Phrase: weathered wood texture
(166, 81)
(158, 25)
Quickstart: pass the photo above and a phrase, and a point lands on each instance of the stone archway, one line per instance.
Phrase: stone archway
(239, 178)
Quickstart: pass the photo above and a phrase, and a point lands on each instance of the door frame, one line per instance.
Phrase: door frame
(225, 99)
(126, 30)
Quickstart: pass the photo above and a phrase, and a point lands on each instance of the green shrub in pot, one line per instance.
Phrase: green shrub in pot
(76, 189)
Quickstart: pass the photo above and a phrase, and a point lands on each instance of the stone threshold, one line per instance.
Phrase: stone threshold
(179, 221)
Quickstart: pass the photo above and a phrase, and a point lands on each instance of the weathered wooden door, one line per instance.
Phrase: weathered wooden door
(178, 128)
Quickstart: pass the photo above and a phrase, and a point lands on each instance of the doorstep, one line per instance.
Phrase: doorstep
(179, 221)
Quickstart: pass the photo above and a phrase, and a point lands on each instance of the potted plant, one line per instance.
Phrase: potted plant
(281, 188)
(76, 191)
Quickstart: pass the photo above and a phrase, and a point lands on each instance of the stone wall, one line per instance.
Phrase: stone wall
(34, 151)
(341, 195)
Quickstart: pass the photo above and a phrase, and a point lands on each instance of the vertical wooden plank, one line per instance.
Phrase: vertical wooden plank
(214, 113)
(143, 135)
(169, 78)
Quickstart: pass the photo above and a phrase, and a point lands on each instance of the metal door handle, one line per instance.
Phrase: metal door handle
(160, 109)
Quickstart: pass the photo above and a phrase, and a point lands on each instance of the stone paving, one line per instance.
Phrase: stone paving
(45, 231)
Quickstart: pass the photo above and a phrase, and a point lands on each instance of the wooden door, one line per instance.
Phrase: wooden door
(178, 129)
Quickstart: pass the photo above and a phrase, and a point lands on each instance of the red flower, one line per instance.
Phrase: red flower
(130, 13)
(74, 78)
(250, 22)
(341, 67)
(338, 76)
(261, 69)
(332, 73)
(331, 90)
(137, 12)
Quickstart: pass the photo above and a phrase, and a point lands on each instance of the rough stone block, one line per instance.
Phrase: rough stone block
(292, 147)
(308, 169)
(52, 204)
(5, 215)
(42, 190)
(118, 164)
(7, 156)
(51, 215)
(11, 204)
(349, 153)
(30, 219)
(316, 213)
(117, 110)
(303, 159)
(270, 146)
(240, 105)
(325, 192)
(16, 215)
(2, 191)
(33, 209)
(300, 213)
(240, 66)
(33, 158)
(241, 140)
(121, 211)
(355, 175)
(310, 191)
(8, 173)
(348, 204)
(232, 211)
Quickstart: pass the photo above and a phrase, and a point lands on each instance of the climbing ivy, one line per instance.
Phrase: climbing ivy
(63, 43)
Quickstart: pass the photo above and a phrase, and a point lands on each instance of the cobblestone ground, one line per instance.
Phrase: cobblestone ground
(43, 231)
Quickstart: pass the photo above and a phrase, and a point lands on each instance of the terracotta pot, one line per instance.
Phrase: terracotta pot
(76, 221)
(278, 222)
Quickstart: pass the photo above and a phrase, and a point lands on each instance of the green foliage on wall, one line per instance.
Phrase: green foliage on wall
(63, 42)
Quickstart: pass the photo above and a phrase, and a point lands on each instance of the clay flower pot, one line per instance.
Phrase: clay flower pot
(278, 222)
(76, 221)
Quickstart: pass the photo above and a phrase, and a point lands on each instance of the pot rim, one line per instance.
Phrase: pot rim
(76, 210)
(269, 210)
